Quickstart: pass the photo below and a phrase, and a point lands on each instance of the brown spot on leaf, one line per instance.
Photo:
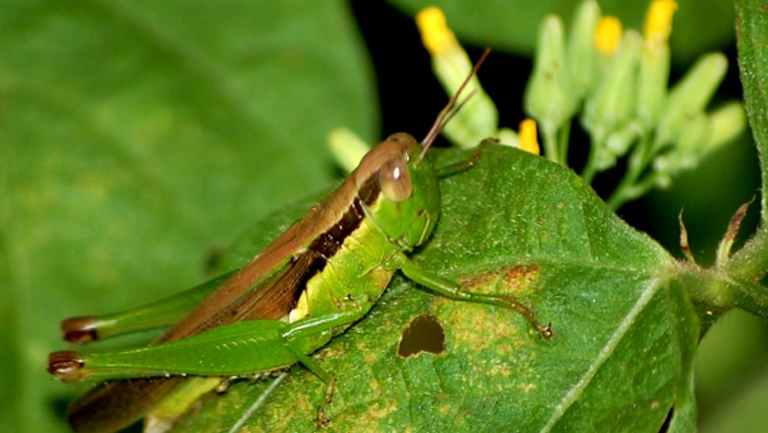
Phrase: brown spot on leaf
(513, 280)
(424, 333)
(521, 276)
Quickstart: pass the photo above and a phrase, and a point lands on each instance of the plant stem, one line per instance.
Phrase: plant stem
(639, 158)
(750, 297)
(751, 261)
(590, 168)
(564, 136)
(622, 194)
(549, 134)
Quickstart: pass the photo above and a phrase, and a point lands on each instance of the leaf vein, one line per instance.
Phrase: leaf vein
(575, 392)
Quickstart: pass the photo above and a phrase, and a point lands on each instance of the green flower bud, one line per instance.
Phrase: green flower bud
(727, 122)
(671, 163)
(686, 154)
(612, 104)
(617, 145)
(347, 148)
(654, 62)
(652, 83)
(693, 134)
(548, 95)
(607, 40)
(478, 119)
(582, 56)
(527, 139)
(690, 96)
(604, 159)
(620, 141)
(508, 137)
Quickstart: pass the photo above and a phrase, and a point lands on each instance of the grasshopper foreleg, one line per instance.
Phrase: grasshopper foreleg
(466, 164)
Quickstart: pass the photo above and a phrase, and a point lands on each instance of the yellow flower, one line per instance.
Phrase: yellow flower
(658, 21)
(608, 35)
(528, 139)
(434, 30)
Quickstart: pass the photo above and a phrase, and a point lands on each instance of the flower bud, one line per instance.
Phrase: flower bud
(620, 141)
(727, 122)
(658, 21)
(582, 59)
(608, 35)
(686, 154)
(612, 104)
(347, 148)
(526, 139)
(690, 95)
(616, 145)
(508, 137)
(548, 95)
(693, 134)
(478, 118)
(654, 61)
(652, 84)
(528, 136)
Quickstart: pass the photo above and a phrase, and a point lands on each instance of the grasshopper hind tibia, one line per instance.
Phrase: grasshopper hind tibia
(66, 365)
(79, 330)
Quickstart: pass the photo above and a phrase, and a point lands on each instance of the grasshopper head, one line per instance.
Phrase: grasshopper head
(398, 188)
(397, 185)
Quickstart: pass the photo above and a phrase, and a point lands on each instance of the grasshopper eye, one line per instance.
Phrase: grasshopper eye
(395, 179)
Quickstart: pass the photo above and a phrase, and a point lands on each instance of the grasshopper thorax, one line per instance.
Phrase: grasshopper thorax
(399, 191)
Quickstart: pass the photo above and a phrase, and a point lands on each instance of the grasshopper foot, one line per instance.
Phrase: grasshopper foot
(79, 330)
(66, 365)
(545, 331)
(322, 420)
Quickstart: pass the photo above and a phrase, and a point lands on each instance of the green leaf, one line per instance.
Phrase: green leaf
(625, 330)
(752, 32)
(751, 262)
(512, 24)
(137, 137)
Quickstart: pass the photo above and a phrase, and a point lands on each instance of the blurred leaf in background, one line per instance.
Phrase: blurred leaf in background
(137, 137)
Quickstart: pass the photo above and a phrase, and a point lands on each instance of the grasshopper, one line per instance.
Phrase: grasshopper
(312, 283)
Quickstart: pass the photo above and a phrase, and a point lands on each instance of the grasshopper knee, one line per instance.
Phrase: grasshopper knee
(79, 330)
(66, 365)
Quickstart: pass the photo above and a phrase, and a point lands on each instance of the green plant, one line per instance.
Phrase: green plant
(132, 146)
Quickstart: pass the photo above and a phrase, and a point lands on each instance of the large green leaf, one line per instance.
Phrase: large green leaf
(752, 31)
(135, 138)
(625, 331)
(751, 262)
(513, 24)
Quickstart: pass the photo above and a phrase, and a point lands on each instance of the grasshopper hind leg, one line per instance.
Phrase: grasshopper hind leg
(452, 290)
(159, 314)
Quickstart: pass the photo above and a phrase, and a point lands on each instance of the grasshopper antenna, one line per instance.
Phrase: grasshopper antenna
(448, 111)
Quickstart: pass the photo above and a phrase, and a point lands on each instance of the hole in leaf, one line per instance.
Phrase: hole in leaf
(423, 333)
(667, 421)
